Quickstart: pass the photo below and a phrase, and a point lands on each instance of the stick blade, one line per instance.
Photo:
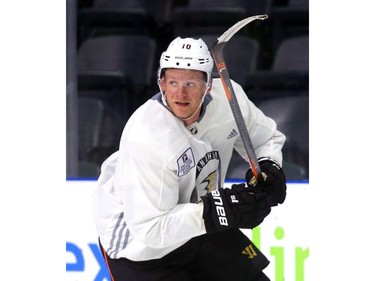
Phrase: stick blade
(236, 27)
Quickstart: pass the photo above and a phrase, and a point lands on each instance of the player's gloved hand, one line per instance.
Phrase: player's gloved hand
(237, 207)
(274, 182)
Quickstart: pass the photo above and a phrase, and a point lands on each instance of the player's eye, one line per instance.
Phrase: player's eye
(191, 84)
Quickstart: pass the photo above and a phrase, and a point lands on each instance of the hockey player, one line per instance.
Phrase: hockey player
(159, 207)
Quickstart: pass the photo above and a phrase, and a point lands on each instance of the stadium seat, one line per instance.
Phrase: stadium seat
(293, 54)
(238, 167)
(118, 68)
(289, 20)
(241, 55)
(291, 115)
(256, 7)
(106, 17)
(289, 74)
(206, 16)
(99, 130)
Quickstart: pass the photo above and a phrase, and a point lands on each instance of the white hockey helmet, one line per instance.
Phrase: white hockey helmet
(187, 53)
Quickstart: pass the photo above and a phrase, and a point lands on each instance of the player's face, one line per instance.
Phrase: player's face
(184, 90)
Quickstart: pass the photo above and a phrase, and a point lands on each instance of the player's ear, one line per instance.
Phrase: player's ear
(162, 83)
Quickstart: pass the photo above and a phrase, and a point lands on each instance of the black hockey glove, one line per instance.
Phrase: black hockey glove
(274, 180)
(227, 208)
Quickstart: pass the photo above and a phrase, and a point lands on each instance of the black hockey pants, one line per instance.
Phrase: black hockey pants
(224, 256)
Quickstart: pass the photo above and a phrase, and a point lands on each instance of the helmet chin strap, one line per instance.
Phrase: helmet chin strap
(192, 115)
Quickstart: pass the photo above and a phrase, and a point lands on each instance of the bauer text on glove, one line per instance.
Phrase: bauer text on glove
(234, 207)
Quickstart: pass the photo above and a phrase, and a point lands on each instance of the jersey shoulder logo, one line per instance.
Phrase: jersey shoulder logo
(185, 162)
(232, 134)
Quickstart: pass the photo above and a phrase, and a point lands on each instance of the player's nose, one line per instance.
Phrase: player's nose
(181, 90)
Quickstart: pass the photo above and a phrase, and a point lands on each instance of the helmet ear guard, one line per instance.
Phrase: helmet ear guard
(187, 53)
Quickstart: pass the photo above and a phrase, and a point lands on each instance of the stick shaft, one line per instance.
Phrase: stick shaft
(238, 117)
(218, 55)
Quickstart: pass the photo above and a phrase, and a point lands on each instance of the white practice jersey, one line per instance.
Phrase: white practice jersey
(147, 202)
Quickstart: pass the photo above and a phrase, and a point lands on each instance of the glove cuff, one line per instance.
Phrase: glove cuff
(210, 215)
(264, 159)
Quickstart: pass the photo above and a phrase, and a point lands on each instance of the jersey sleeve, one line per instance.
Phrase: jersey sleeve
(149, 188)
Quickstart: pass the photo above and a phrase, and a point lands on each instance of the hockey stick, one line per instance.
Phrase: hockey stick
(218, 55)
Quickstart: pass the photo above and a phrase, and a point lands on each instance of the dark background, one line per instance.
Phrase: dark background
(113, 51)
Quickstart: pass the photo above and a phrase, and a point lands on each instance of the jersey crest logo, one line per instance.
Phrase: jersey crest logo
(185, 162)
(211, 181)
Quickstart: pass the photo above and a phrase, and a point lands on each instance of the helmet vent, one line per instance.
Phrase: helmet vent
(203, 61)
